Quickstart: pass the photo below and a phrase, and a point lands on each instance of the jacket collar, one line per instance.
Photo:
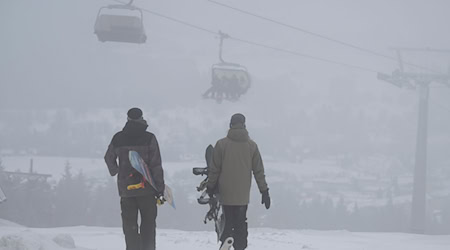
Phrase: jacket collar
(239, 134)
(135, 127)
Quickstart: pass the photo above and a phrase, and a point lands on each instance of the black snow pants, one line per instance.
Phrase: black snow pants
(139, 237)
(236, 226)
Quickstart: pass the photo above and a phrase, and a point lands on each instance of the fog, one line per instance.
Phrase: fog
(338, 144)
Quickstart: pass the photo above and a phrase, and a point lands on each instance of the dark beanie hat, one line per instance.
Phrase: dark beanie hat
(237, 119)
(134, 114)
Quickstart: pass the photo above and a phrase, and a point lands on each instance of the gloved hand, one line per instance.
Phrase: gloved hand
(265, 198)
(210, 191)
(160, 198)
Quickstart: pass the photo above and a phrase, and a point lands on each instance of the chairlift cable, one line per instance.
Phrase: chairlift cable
(175, 20)
(256, 43)
(343, 43)
(303, 55)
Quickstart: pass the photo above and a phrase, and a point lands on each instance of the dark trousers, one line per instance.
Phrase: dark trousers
(139, 237)
(236, 226)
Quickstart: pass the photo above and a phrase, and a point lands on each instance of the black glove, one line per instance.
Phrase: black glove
(265, 198)
(210, 191)
(160, 198)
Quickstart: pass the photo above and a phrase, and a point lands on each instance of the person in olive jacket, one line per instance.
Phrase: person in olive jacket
(136, 195)
(235, 158)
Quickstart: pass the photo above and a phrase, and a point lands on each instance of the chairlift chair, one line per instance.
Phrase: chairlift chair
(229, 80)
(120, 28)
(230, 71)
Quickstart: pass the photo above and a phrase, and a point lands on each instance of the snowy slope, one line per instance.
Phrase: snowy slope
(5, 223)
(260, 239)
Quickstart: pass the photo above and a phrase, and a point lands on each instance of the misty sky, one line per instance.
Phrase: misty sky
(63, 93)
(51, 58)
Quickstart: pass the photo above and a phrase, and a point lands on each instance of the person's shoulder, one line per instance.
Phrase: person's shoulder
(251, 141)
(252, 144)
(221, 142)
(116, 136)
(223, 139)
(149, 136)
(148, 133)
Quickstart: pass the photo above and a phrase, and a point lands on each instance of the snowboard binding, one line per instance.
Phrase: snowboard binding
(204, 198)
(200, 171)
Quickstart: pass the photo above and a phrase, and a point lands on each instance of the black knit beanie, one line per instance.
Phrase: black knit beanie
(237, 119)
(135, 114)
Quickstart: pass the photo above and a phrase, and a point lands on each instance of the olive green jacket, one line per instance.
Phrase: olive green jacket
(235, 158)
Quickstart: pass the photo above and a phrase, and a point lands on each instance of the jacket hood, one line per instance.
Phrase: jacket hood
(135, 128)
(239, 134)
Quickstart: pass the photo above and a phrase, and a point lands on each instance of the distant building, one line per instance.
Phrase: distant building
(29, 176)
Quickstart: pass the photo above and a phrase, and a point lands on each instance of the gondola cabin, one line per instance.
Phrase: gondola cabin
(120, 23)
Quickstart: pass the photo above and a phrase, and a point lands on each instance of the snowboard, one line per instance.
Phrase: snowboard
(215, 212)
(227, 244)
(139, 164)
(209, 155)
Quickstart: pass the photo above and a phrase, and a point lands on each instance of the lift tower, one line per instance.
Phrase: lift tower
(420, 81)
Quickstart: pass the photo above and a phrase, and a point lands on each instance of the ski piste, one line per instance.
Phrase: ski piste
(215, 207)
(139, 164)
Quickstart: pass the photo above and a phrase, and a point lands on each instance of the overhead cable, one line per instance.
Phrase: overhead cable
(295, 53)
(343, 43)
(303, 55)
(175, 20)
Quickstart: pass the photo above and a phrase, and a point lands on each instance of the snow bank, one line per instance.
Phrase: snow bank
(13, 239)
(6, 223)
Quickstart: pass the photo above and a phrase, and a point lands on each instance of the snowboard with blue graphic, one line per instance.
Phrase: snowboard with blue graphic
(139, 164)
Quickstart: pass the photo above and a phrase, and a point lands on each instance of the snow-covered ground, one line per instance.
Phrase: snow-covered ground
(14, 237)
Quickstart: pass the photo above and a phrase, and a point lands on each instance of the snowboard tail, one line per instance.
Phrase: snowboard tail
(227, 244)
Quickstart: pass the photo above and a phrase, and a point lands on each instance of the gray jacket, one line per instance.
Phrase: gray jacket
(235, 158)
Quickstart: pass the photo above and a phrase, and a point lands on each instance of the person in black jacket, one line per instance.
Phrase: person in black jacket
(136, 194)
